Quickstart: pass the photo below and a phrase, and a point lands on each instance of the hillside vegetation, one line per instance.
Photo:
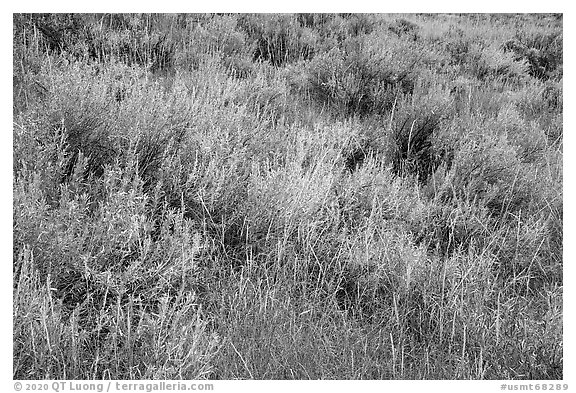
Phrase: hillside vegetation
(287, 196)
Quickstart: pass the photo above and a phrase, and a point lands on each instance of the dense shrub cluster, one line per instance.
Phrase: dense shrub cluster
(543, 52)
(287, 196)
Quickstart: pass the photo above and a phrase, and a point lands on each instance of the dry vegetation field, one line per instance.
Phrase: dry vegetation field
(298, 196)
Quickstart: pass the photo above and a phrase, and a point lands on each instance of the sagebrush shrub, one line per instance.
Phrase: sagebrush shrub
(278, 39)
(543, 52)
(361, 78)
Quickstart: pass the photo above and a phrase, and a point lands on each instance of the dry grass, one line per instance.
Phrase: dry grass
(287, 197)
